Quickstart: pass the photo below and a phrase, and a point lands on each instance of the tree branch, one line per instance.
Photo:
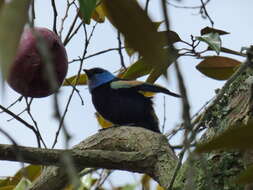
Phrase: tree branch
(125, 148)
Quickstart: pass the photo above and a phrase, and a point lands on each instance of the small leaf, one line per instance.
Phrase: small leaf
(171, 36)
(82, 80)
(138, 29)
(236, 137)
(213, 40)
(24, 184)
(13, 16)
(87, 7)
(218, 67)
(137, 69)
(102, 121)
(88, 181)
(130, 51)
(158, 187)
(145, 181)
(246, 176)
(158, 24)
(208, 30)
(31, 171)
(99, 14)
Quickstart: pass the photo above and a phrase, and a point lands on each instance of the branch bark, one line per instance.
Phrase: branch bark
(125, 148)
(233, 105)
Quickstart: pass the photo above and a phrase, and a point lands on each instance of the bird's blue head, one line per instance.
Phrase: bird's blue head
(97, 77)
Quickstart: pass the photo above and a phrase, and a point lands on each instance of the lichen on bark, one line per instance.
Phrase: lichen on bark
(216, 170)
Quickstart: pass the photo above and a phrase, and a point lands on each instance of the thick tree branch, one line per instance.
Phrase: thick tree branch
(124, 148)
(131, 161)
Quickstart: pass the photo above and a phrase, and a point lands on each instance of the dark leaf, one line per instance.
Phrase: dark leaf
(138, 29)
(172, 37)
(137, 69)
(208, 30)
(74, 80)
(218, 67)
(87, 7)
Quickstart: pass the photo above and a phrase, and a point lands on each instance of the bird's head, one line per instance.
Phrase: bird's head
(97, 77)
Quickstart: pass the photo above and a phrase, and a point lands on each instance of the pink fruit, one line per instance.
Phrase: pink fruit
(28, 74)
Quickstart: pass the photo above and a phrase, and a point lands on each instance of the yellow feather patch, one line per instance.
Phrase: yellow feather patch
(147, 94)
(103, 122)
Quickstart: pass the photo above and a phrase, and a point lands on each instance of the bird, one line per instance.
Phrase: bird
(122, 101)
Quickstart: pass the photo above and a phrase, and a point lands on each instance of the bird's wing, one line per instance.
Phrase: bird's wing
(141, 86)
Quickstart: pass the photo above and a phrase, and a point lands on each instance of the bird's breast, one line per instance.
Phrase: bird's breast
(121, 106)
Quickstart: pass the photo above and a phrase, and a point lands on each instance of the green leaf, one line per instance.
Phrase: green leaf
(87, 7)
(208, 30)
(130, 51)
(31, 171)
(138, 29)
(171, 55)
(24, 184)
(98, 14)
(246, 176)
(218, 67)
(213, 40)
(137, 69)
(13, 17)
(236, 137)
(74, 80)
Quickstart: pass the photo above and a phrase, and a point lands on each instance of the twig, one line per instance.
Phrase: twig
(186, 7)
(28, 109)
(146, 5)
(120, 52)
(59, 118)
(77, 91)
(15, 147)
(103, 179)
(179, 164)
(66, 41)
(185, 104)
(65, 17)
(55, 16)
(164, 114)
(12, 104)
(70, 30)
(9, 137)
(203, 7)
(18, 119)
(87, 41)
(33, 13)
(102, 52)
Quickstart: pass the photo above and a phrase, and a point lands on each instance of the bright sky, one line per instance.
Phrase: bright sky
(232, 16)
